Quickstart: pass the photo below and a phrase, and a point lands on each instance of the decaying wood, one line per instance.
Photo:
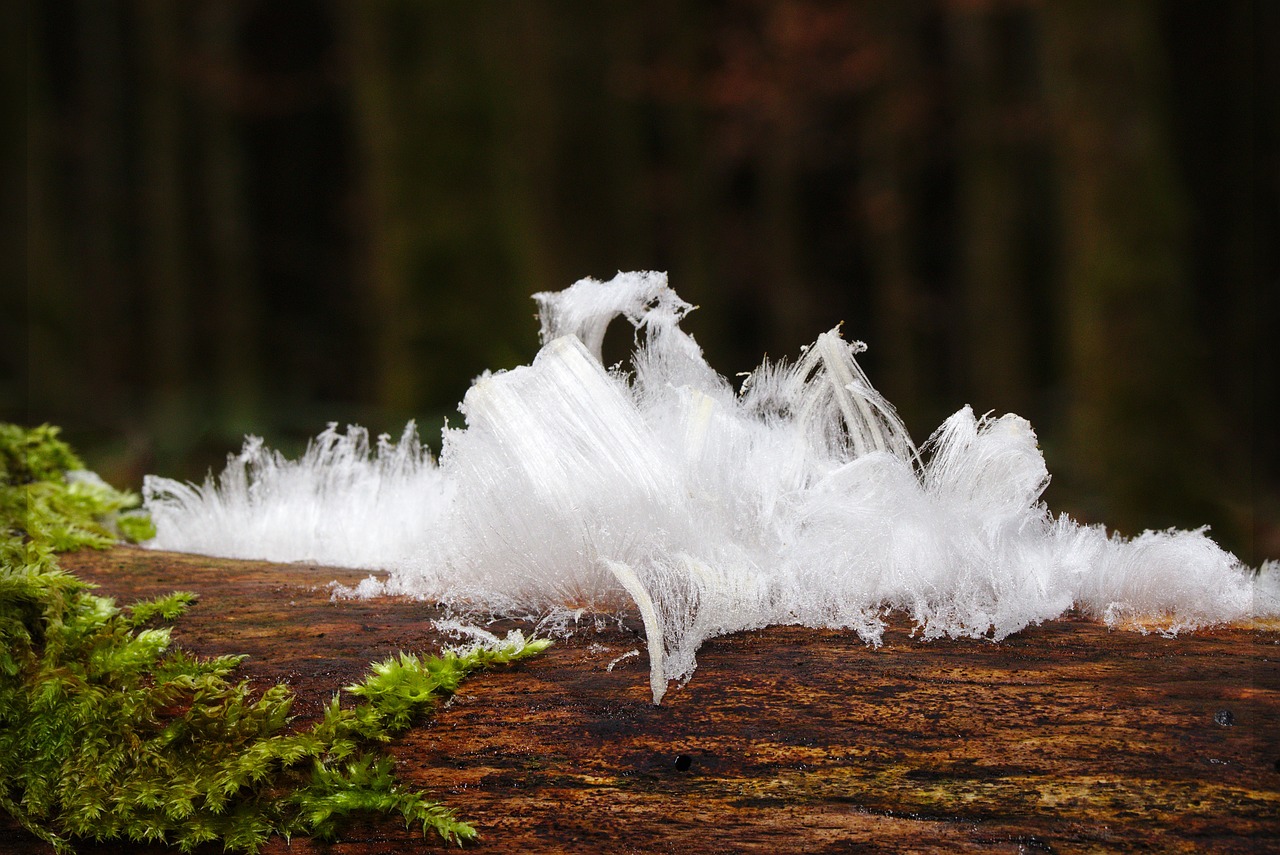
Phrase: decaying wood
(1066, 737)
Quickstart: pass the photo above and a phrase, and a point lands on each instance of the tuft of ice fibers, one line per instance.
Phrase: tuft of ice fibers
(800, 499)
(341, 503)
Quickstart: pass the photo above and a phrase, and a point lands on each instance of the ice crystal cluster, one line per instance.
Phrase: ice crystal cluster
(798, 499)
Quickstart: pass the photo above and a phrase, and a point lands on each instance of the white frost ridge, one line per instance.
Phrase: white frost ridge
(801, 499)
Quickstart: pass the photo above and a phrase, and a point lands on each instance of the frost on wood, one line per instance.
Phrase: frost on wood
(800, 499)
(341, 503)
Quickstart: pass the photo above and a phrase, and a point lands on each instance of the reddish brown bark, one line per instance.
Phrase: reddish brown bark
(1066, 737)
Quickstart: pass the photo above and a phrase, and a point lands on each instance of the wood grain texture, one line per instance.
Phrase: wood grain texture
(1067, 737)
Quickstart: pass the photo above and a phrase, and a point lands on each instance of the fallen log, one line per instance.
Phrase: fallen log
(1067, 737)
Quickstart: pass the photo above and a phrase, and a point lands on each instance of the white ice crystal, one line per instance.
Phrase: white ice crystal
(341, 503)
(800, 499)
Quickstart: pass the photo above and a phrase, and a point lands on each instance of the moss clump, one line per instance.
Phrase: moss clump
(46, 492)
(108, 732)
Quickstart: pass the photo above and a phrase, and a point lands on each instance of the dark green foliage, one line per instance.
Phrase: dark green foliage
(108, 733)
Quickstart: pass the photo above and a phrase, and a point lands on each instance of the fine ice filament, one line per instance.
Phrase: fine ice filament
(652, 624)
(800, 499)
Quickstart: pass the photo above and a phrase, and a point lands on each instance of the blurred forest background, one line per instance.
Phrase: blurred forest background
(231, 216)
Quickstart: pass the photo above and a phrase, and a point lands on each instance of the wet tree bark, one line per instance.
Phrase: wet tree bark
(1065, 738)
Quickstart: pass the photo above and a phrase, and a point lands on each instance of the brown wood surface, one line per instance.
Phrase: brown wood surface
(1064, 738)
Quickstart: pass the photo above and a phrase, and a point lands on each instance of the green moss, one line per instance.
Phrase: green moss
(108, 732)
(30, 455)
(46, 492)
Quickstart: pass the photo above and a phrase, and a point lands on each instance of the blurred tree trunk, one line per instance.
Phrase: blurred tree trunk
(164, 226)
(33, 279)
(995, 323)
(890, 159)
(1136, 397)
(786, 297)
(1225, 69)
(1259, 52)
(519, 52)
(620, 53)
(385, 230)
(686, 205)
(100, 215)
(236, 345)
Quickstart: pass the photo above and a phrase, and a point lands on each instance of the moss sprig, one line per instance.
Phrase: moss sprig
(107, 731)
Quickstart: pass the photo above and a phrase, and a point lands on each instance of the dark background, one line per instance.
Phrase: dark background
(253, 216)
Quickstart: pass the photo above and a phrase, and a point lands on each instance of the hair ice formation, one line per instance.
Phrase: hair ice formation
(799, 500)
